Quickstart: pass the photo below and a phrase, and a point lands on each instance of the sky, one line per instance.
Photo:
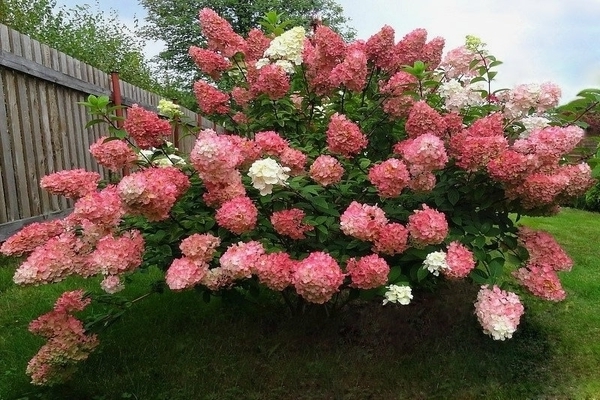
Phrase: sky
(538, 40)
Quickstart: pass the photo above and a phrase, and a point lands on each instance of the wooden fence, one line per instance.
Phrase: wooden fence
(42, 128)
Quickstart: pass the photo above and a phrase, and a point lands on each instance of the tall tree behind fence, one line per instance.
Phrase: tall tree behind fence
(42, 128)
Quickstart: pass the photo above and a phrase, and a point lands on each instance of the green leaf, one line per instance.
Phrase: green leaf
(422, 274)
(453, 196)
(479, 276)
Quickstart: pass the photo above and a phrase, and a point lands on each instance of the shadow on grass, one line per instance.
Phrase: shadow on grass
(175, 347)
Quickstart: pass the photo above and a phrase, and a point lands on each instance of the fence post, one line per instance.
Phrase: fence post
(118, 102)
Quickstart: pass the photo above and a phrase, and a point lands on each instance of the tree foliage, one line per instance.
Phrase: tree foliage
(83, 32)
(173, 22)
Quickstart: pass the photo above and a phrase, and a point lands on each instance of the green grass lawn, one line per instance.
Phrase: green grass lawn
(174, 346)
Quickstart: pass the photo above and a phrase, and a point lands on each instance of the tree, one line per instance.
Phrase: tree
(173, 22)
(85, 33)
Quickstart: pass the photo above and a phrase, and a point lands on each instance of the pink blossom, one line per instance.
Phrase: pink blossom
(410, 48)
(432, 52)
(352, 72)
(146, 127)
(215, 156)
(112, 284)
(425, 153)
(423, 182)
(459, 259)
(457, 62)
(209, 62)
(391, 239)
(318, 277)
(362, 221)
(240, 118)
(73, 184)
(31, 236)
(228, 188)
(238, 215)
(220, 34)
(112, 154)
(543, 248)
(580, 179)
(241, 96)
(398, 107)
(368, 272)
(210, 99)
(326, 170)
(550, 143)
(398, 84)
(380, 48)
(275, 270)
(101, 208)
(289, 223)
(541, 280)
(199, 247)
(294, 159)
(270, 143)
(427, 226)
(540, 189)
(344, 136)
(423, 119)
(185, 273)
(240, 259)
(510, 167)
(256, 44)
(272, 81)
(115, 255)
(499, 312)
(389, 177)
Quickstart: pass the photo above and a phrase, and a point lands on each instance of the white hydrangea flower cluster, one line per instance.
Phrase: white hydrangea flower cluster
(169, 109)
(533, 123)
(398, 294)
(435, 262)
(285, 50)
(267, 172)
(458, 96)
(161, 159)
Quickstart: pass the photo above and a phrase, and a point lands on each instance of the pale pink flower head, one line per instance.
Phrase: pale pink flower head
(31, 236)
(380, 48)
(209, 62)
(210, 99)
(112, 284)
(423, 119)
(185, 273)
(220, 34)
(73, 184)
(318, 277)
(580, 179)
(200, 247)
(425, 153)
(352, 72)
(368, 272)
(543, 248)
(398, 84)
(102, 208)
(391, 239)
(215, 156)
(539, 189)
(72, 301)
(362, 221)
(550, 143)
(457, 62)
(238, 215)
(460, 261)
(240, 259)
(344, 136)
(326, 170)
(427, 226)
(390, 177)
(423, 182)
(225, 189)
(115, 255)
(271, 143)
(541, 280)
(272, 81)
(289, 223)
(113, 154)
(241, 96)
(294, 159)
(499, 312)
(275, 270)
(146, 127)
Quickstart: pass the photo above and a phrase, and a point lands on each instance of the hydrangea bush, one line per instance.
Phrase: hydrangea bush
(349, 170)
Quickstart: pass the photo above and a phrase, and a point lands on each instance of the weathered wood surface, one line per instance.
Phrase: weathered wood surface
(42, 126)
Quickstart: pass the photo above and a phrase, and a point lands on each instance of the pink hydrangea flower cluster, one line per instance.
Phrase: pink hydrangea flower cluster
(390, 177)
(459, 259)
(116, 255)
(241, 96)
(31, 236)
(318, 277)
(272, 144)
(113, 154)
(326, 170)
(368, 272)
(112, 284)
(237, 215)
(209, 62)
(73, 184)
(551, 143)
(219, 34)
(152, 192)
(256, 44)
(425, 153)
(427, 226)
(362, 221)
(379, 47)
(458, 62)
(423, 119)
(275, 270)
(146, 127)
(271, 80)
(543, 248)
(67, 344)
(398, 103)
(352, 72)
(344, 136)
(321, 55)
(185, 273)
(200, 247)
(391, 238)
(210, 99)
(289, 223)
(499, 312)
(541, 280)
(240, 259)
(103, 209)
(526, 97)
